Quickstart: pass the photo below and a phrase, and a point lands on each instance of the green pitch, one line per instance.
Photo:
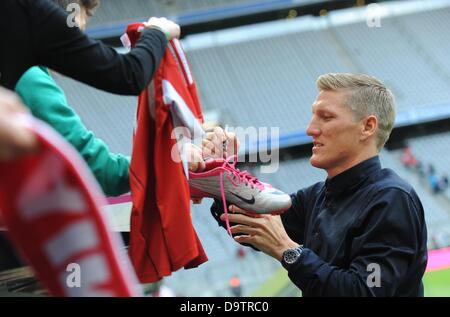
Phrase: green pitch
(437, 283)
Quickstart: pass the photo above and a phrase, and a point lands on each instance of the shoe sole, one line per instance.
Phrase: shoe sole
(196, 198)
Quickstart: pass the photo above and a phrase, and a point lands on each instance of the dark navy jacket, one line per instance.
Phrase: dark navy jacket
(360, 223)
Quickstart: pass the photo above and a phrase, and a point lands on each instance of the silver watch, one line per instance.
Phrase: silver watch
(291, 256)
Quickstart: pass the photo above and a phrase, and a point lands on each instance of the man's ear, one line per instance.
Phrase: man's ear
(368, 127)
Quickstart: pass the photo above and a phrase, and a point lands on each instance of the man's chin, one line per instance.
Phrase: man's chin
(316, 162)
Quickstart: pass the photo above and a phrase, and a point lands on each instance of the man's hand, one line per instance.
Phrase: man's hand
(216, 211)
(195, 161)
(194, 156)
(15, 139)
(264, 232)
(219, 144)
(168, 27)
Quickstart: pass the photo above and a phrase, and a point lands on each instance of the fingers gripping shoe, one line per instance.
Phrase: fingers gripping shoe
(222, 180)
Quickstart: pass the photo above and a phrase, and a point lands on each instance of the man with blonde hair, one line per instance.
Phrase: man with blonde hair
(362, 231)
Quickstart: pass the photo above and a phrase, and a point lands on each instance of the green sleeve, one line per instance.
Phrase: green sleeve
(48, 102)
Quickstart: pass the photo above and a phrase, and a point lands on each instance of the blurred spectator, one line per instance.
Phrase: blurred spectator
(408, 158)
(150, 288)
(420, 169)
(164, 291)
(444, 182)
(240, 253)
(440, 240)
(157, 289)
(431, 169)
(235, 286)
(433, 181)
(435, 242)
(438, 185)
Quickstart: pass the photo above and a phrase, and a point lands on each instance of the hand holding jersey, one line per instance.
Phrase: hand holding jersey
(169, 28)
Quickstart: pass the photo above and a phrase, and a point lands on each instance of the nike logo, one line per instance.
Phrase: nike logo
(248, 201)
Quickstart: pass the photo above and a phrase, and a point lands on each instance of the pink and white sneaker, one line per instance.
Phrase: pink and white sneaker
(222, 180)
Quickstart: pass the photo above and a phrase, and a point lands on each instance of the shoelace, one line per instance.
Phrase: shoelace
(244, 176)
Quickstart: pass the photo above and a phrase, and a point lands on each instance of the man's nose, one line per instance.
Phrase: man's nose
(312, 129)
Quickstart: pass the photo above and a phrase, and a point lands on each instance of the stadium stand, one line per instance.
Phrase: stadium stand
(117, 11)
(437, 211)
(236, 78)
(433, 149)
(125, 11)
(111, 117)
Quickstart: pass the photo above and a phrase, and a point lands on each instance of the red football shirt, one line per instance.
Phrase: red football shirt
(162, 238)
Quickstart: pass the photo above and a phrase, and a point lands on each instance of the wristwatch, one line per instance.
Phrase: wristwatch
(291, 256)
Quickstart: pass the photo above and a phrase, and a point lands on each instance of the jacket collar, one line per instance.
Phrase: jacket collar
(350, 178)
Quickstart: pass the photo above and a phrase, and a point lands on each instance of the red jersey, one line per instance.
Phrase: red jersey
(162, 238)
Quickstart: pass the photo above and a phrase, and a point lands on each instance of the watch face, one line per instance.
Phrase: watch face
(290, 256)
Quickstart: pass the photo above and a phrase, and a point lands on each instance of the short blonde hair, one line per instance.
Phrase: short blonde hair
(366, 95)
